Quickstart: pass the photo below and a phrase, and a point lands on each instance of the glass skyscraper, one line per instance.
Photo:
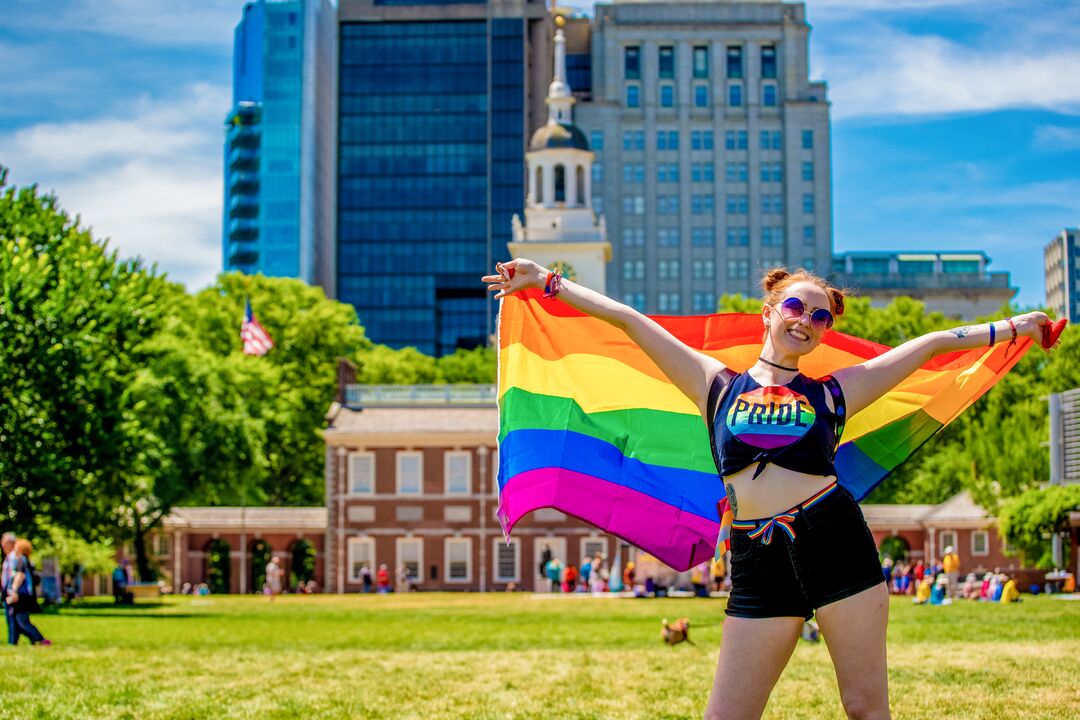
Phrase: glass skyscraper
(278, 217)
(432, 128)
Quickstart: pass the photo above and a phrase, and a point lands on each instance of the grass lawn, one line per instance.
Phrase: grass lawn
(507, 656)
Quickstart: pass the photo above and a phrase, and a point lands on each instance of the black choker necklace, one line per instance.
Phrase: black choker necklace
(781, 367)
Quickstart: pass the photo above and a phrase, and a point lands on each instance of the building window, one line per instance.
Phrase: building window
(702, 172)
(668, 269)
(633, 95)
(632, 62)
(808, 171)
(703, 270)
(596, 139)
(808, 139)
(772, 172)
(633, 237)
(362, 473)
(772, 236)
(633, 204)
(507, 560)
(959, 266)
(667, 95)
(737, 205)
(361, 554)
(735, 139)
(597, 173)
(667, 140)
(701, 204)
(735, 94)
(670, 302)
(771, 140)
(809, 235)
(668, 237)
(667, 61)
(593, 546)
(458, 560)
(738, 236)
(738, 269)
(667, 172)
(704, 302)
(768, 61)
(667, 204)
(701, 96)
(410, 472)
(980, 542)
(736, 171)
(768, 95)
(772, 204)
(633, 140)
(410, 554)
(701, 61)
(702, 236)
(701, 139)
(598, 204)
(946, 538)
(560, 183)
(734, 62)
(635, 300)
(457, 470)
(808, 203)
(633, 173)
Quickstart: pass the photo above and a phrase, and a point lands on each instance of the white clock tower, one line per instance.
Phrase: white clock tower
(560, 229)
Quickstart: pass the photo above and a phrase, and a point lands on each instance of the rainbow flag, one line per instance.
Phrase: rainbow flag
(589, 425)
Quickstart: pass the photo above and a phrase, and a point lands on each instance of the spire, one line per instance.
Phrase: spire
(559, 99)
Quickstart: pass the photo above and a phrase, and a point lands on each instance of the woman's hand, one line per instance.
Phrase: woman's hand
(518, 274)
(1038, 327)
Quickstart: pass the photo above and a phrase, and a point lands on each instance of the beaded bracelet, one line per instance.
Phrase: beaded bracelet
(553, 284)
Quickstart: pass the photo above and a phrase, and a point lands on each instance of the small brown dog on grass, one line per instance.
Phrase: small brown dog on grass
(676, 632)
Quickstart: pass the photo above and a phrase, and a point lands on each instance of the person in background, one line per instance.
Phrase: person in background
(570, 575)
(950, 565)
(274, 574)
(22, 596)
(970, 589)
(628, 575)
(718, 571)
(887, 569)
(553, 570)
(1009, 592)
(382, 579)
(698, 579)
(922, 595)
(586, 572)
(599, 575)
(121, 578)
(7, 542)
(365, 576)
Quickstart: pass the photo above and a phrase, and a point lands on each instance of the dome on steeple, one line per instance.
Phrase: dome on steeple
(558, 135)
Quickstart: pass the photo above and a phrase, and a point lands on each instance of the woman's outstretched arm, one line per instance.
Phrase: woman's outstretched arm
(690, 370)
(866, 382)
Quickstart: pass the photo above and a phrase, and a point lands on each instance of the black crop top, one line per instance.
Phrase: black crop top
(788, 425)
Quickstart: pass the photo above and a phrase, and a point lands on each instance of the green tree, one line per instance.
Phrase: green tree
(479, 365)
(382, 365)
(1028, 520)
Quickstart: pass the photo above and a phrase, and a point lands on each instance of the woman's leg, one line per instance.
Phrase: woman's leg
(753, 653)
(854, 630)
(27, 628)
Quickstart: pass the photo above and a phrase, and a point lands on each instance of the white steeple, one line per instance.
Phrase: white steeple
(560, 229)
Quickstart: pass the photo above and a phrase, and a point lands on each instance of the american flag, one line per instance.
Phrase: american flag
(256, 340)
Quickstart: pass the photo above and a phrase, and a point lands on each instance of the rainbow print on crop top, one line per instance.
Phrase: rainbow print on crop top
(770, 417)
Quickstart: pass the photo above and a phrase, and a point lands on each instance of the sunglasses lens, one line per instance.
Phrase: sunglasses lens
(792, 308)
(821, 319)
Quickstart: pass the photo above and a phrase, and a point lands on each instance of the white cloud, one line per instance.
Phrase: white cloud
(1055, 138)
(149, 179)
(890, 73)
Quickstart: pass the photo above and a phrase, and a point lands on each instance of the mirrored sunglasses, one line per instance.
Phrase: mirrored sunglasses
(793, 309)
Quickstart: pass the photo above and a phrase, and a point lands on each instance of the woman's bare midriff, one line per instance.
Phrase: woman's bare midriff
(775, 490)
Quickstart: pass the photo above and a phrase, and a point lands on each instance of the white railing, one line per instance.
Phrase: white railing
(419, 395)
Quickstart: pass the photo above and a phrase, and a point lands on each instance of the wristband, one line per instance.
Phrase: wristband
(993, 332)
(553, 284)
(1012, 326)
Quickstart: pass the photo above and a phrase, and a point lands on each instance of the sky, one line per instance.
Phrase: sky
(956, 124)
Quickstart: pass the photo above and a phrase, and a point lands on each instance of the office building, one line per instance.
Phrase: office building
(712, 146)
(279, 142)
(435, 100)
(956, 284)
(1061, 261)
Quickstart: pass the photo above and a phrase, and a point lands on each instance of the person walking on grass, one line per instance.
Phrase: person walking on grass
(274, 575)
(788, 484)
(7, 542)
(22, 595)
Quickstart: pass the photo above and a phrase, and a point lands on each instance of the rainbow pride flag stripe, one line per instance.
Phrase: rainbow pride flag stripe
(589, 425)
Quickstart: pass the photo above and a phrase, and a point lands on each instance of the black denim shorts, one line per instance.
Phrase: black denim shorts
(832, 556)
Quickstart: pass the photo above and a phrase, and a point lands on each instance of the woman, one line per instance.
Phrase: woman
(22, 596)
(799, 543)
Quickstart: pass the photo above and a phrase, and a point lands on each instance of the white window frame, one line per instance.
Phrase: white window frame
(592, 539)
(496, 545)
(447, 457)
(402, 454)
(350, 489)
(351, 556)
(986, 543)
(398, 562)
(447, 543)
(942, 544)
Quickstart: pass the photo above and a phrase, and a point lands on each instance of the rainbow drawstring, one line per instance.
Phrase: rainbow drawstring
(763, 529)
